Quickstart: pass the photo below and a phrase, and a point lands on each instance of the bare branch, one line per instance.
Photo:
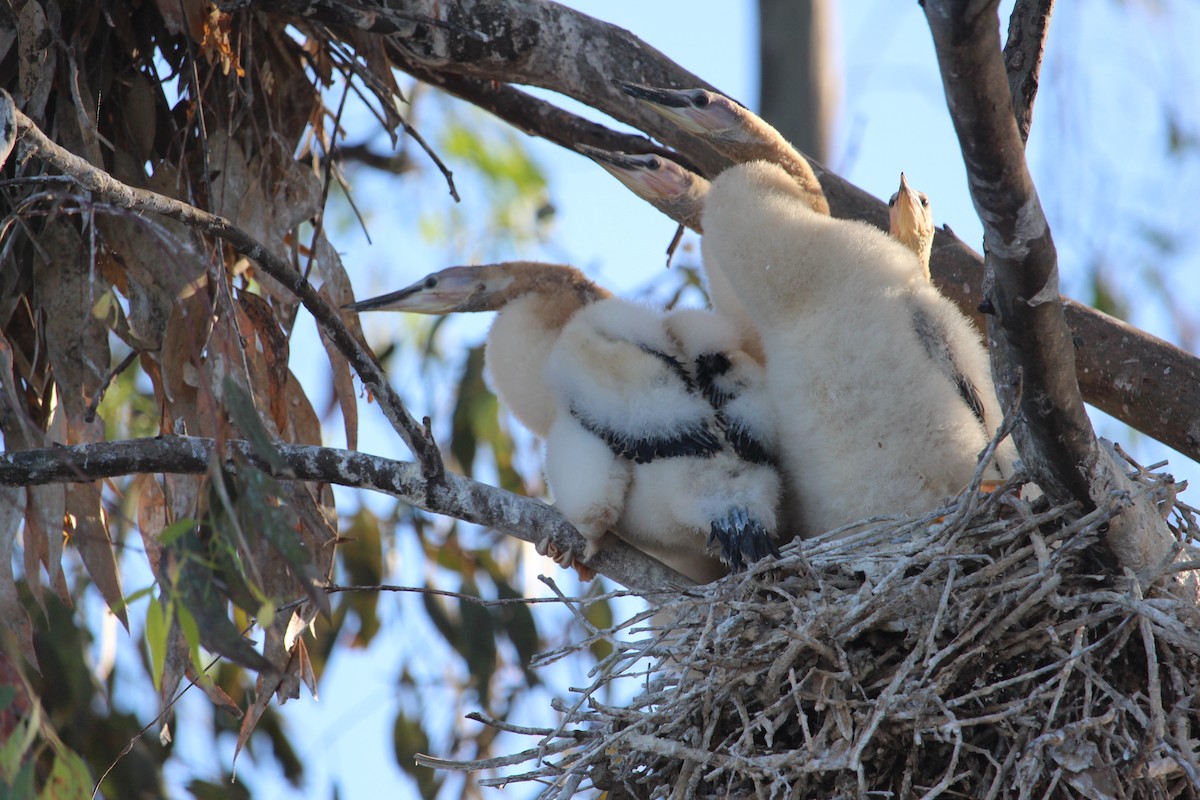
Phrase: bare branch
(1123, 371)
(1030, 343)
(1027, 29)
(453, 495)
(119, 194)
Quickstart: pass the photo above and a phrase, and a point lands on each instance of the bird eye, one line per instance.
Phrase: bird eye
(700, 100)
(924, 201)
(892, 201)
(653, 164)
(430, 282)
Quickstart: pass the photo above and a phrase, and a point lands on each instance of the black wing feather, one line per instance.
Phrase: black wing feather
(933, 339)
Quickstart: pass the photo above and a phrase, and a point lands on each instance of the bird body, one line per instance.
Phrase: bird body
(637, 448)
(868, 422)
(632, 444)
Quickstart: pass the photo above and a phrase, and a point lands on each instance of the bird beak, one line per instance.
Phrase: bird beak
(649, 176)
(670, 98)
(447, 293)
(678, 106)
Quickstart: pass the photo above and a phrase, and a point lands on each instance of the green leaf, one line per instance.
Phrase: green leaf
(13, 751)
(157, 630)
(69, 778)
(175, 530)
(408, 739)
(241, 410)
(478, 644)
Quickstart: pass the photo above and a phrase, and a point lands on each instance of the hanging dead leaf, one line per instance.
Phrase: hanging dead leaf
(12, 506)
(8, 120)
(87, 527)
(182, 16)
(35, 35)
(303, 425)
(274, 348)
(184, 340)
(337, 292)
(67, 291)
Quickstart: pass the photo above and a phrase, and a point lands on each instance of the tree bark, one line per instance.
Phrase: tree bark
(1120, 370)
(1027, 27)
(453, 495)
(1033, 356)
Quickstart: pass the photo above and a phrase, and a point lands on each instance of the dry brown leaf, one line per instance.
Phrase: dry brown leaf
(44, 507)
(304, 427)
(253, 715)
(12, 507)
(151, 517)
(337, 291)
(184, 340)
(67, 291)
(35, 37)
(183, 493)
(215, 694)
(182, 16)
(20, 432)
(273, 345)
(87, 526)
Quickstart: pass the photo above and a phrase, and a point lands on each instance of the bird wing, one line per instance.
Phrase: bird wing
(936, 338)
(631, 393)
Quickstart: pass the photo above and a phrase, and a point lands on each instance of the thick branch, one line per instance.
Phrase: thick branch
(452, 495)
(1122, 371)
(1031, 345)
(103, 185)
(1027, 29)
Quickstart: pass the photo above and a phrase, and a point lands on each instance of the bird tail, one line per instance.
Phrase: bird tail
(741, 538)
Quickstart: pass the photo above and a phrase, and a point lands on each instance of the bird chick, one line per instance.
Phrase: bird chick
(910, 222)
(599, 380)
(637, 447)
(869, 422)
(673, 190)
(534, 302)
(733, 130)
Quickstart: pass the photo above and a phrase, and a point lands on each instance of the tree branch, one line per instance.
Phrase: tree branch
(1030, 343)
(1122, 371)
(1028, 26)
(119, 194)
(452, 495)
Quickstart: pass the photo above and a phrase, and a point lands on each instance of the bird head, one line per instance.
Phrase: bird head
(910, 219)
(477, 288)
(657, 180)
(697, 111)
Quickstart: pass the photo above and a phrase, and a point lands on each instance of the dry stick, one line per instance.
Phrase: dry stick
(101, 183)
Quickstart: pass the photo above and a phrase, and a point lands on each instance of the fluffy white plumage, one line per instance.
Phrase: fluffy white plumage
(635, 447)
(632, 444)
(869, 423)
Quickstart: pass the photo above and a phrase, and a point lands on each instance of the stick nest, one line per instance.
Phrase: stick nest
(985, 650)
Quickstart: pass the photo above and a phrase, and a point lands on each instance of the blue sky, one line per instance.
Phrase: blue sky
(1097, 148)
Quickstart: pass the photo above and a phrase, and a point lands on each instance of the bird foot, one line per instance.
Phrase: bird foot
(565, 559)
(741, 540)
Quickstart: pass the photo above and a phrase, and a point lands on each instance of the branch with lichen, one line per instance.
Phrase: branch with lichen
(452, 495)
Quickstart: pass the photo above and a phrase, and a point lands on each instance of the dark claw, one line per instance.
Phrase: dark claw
(742, 540)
